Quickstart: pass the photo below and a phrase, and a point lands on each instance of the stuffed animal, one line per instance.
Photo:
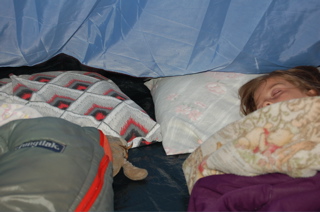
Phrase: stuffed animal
(120, 155)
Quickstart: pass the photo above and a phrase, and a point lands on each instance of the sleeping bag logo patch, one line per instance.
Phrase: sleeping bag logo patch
(46, 144)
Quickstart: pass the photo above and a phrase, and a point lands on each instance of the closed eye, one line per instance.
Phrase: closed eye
(276, 92)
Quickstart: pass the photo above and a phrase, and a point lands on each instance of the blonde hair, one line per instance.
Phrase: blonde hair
(304, 77)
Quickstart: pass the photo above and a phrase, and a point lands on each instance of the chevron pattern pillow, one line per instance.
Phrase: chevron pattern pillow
(84, 98)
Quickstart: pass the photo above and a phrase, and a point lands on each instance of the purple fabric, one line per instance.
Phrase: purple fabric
(270, 192)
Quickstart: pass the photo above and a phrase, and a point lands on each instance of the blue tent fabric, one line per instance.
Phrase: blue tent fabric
(157, 38)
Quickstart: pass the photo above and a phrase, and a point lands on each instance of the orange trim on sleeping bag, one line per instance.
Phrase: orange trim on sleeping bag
(95, 188)
(105, 144)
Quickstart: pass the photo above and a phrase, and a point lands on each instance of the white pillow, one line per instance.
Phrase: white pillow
(190, 108)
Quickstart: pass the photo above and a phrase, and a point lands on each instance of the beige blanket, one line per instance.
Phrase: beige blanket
(282, 138)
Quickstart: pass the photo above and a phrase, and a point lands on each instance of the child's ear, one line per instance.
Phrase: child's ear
(312, 92)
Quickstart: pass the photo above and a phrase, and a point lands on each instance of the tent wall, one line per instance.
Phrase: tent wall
(152, 38)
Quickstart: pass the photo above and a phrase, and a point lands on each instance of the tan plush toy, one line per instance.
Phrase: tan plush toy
(120, 155)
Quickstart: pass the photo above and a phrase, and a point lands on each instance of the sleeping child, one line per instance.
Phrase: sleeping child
(278, 86)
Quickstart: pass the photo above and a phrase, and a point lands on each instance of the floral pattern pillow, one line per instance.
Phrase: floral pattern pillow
(190, 108)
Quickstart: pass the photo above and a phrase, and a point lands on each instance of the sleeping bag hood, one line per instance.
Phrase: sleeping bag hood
(50, 164)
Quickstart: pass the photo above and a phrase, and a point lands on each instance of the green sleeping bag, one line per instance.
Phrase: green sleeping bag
(50, 164)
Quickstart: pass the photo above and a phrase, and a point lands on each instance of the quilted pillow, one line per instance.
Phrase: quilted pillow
(190, 108)
(84, 98)
(281, 138)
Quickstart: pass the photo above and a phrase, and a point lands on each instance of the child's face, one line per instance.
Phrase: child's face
(277, 89)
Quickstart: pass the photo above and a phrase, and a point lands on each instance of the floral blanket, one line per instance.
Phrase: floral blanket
(281, 138)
